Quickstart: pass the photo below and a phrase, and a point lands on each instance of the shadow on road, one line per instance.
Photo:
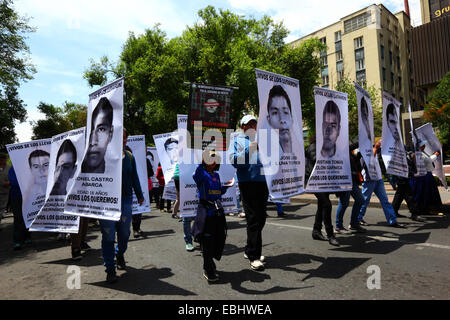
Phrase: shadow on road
(237, 280)
(330, 268)
(146, 281)
(152, 234)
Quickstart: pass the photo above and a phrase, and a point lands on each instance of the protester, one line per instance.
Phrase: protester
(210, 225)
(21, 235)
(4, 184)
(404, 192)
(280, 211)
(324, 207)
(253, 188)
(425, 189)
(176, 179)
(370, 186)
(160, 177)
(344, 197)
(136, 219)
(109, 228)
(79, 241)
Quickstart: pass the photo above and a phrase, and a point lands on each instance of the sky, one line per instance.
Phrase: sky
(71, 32)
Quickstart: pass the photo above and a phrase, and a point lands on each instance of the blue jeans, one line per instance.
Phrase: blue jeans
(370, 187)
(187, 229)
(239, 203)
(279, 208)
(109, 229)
(344, 200)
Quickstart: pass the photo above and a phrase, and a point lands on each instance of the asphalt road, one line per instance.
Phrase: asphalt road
(413, 263)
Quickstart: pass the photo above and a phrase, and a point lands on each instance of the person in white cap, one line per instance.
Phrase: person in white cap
(253, 188)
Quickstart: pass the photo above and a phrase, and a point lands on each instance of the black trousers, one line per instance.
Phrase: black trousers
(404, 192)
(161, 200)
(254, 200)
(20, 233)
(323, 213)
(209, 242)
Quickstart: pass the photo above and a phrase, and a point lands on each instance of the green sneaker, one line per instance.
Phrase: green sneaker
(189, 247)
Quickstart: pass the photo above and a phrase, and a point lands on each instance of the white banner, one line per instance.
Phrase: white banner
(332, 172)
(167, 148)
(31, 161)
(280, 118)
(188, 187)
(392, 149)
(426, 133)
(420, 164)
(65, 157)
(152, 156)
(366, 135)
(136, 145)
(97, 191)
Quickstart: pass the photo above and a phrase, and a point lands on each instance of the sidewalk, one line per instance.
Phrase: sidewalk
(374, 202)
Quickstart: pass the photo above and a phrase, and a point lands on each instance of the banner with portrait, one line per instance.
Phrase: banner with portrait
(366, 137)
(31, 161)
(167, 149)
(136, 145)
(65, 157)
(280, 134)
(426, 133)
(97, 190)
(392, 148)
(332, 172)
(420, 164)
(152, 156)
(210, 110)
(188, 187)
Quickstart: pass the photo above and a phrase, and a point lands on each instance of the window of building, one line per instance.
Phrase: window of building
(359, 43)
(398, 62)
(359, 59)
(324, 60)
(337, 36)
(325, 80)
(357, 22)
(400, 83)
(384, 74)
(361, 77)
(340, 70)
(339, 56)
(382, 52)
(392, 80)
(390, 58)
(338, 46)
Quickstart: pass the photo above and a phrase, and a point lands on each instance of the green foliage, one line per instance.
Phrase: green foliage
(222, 48)
(59, 120)
(14, 68)
(437, 110)
(346, 85)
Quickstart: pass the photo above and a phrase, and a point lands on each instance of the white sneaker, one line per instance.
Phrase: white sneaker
(262, 258)
(256, 265)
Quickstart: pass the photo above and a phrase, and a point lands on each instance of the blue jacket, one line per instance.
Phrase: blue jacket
(130, 179)
(248, 166)
(14, 184)
(208, 185)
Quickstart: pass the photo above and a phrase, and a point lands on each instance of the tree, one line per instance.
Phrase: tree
(14, 68)
(346, 85)
(223, 48)
(59, 120)
(437, 110)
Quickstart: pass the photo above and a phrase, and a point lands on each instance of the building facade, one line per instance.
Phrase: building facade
(434, 9)
(370, 46)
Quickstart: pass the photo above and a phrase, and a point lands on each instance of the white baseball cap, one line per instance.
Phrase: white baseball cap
(246, 119)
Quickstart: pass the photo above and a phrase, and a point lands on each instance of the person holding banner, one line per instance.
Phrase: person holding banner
(404, 192)
(109, 228)
(210, 225)
(324, 206)
(253, 189)
(425, 188)
(21, 235)
(162, 183)
(370, 186)
(4, 184)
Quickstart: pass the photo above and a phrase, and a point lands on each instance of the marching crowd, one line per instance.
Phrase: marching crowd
(209, 226)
